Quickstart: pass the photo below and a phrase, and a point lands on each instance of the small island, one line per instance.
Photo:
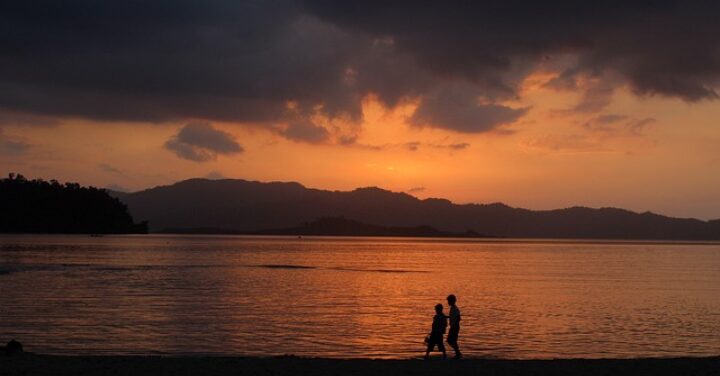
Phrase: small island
(49, 207)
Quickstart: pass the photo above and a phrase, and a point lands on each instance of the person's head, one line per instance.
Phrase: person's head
(439, 308)
(451, 299)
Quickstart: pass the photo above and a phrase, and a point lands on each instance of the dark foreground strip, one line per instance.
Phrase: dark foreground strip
(30, 364)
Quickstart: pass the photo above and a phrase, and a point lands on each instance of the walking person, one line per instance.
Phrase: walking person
(452, 338)
(437, 332)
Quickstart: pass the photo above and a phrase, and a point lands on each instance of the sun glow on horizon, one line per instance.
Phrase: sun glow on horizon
(553, 157)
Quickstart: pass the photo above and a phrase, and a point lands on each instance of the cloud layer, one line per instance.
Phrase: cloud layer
(201, 142)
(245, 61)
(12, 145)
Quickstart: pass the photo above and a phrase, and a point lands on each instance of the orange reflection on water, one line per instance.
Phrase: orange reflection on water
(357, 297)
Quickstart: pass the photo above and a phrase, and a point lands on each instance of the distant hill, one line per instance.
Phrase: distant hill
(37, 206)
(240, 205)
(335, 227)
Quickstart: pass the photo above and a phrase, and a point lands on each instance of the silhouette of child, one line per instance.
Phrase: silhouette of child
(439, 325)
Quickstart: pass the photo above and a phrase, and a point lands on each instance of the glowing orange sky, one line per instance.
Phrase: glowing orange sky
(550, 158)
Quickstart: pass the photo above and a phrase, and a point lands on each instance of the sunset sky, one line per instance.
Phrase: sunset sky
(535, 104)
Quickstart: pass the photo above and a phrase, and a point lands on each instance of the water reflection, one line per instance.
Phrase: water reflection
(356, 297)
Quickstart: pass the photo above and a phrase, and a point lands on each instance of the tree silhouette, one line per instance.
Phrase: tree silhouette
(38, 206)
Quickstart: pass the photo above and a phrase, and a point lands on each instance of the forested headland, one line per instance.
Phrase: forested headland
(39, 206)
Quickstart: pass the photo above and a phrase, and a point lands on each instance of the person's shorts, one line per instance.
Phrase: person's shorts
(453, 334)
(435, 340)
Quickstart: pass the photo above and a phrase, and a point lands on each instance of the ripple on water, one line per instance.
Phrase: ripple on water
(348, 298)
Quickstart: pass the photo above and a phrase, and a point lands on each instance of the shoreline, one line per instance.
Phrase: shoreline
(497, 239)
(38, 364)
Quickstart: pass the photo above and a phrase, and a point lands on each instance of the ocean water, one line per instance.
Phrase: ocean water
(357, 297)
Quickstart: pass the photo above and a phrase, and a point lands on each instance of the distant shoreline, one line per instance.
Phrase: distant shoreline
(309, 235)
(479, 239)
(34, 364)
(509, 240)
(335, 226)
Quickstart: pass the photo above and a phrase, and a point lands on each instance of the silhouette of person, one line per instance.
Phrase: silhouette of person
(439, 325)
(452, 338)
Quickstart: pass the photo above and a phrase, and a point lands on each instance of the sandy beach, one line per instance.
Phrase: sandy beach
(32, 364)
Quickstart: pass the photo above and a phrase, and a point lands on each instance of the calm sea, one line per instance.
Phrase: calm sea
(356, 297)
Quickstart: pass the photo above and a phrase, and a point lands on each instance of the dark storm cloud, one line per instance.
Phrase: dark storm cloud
(201, 142)
(245, 60)
(167, 60)
(658, 47)
(20, 119)
(458, 109)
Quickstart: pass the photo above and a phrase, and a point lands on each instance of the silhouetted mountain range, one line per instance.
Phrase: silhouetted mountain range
(246, 206)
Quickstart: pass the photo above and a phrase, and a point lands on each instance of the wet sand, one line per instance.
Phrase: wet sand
(31, 364)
